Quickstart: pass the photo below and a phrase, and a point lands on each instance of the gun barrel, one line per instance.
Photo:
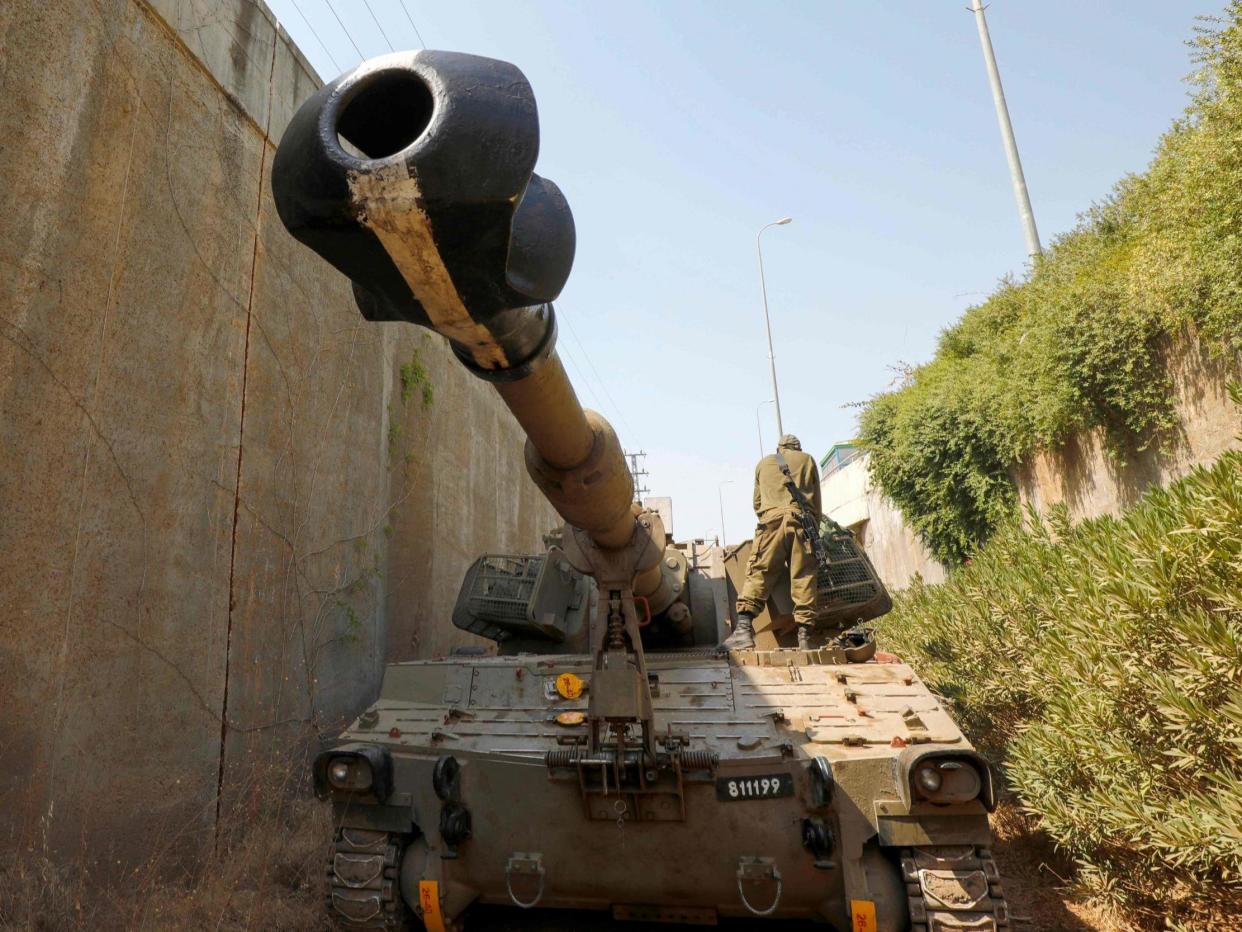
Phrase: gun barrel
(546, 406)
(413, 175)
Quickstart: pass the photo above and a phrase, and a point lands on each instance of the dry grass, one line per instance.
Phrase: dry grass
(267, 873)
(1038, 880)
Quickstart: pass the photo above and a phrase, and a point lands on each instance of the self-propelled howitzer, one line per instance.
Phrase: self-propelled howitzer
(505, 778)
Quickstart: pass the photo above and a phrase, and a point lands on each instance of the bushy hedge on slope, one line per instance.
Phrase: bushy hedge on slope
(1101, 665)
(1078, 344)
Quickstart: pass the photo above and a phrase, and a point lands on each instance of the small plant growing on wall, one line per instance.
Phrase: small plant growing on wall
(414, 382)
(414, 378)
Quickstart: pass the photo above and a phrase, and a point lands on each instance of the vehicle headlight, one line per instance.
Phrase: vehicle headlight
(352, 774)
(945, 780)
(354, 769)
(929, 779)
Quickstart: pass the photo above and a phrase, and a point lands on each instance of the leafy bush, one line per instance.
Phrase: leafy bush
(1101, 665)
(1079, 342)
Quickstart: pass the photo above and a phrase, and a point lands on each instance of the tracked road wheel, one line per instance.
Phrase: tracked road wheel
(954, 888)
(364, 881)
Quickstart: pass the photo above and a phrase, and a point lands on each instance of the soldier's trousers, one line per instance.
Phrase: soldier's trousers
(779, 543)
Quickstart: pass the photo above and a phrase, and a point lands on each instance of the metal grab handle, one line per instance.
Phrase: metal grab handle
(753, 870)
(519, 903)
(647, 607)
(745, 902)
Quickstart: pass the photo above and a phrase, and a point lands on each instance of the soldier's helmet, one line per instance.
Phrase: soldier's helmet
(789, 442)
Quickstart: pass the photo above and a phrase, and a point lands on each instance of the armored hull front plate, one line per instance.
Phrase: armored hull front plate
(537, 831)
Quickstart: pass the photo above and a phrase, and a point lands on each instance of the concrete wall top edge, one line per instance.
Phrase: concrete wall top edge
(238, 43)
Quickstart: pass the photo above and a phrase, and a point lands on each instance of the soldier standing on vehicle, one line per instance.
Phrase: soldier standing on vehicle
(780, 542)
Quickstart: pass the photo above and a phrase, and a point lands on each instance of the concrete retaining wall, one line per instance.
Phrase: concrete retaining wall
(895, 550)
(1090, 482)
(852, 500)
(221, 504)
(1082, 474)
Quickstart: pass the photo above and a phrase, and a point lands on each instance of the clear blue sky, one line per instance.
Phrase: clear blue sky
(677, 129)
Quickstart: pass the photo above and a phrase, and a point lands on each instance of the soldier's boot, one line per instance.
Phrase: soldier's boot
(743, 636)
(804, 637)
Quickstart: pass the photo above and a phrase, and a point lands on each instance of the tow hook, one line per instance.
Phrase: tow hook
(758, 871)
(524, 866)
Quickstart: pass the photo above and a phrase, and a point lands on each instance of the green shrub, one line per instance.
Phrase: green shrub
(1079, 343)
(1101, 665)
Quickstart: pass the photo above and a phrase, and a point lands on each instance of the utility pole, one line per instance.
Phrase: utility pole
(767, 320)
(724, 539)
(1033, 249)
(636, 472)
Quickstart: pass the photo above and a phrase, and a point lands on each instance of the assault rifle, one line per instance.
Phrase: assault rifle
(807, 518)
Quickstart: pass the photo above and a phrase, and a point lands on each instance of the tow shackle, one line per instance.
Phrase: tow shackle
(413, 175)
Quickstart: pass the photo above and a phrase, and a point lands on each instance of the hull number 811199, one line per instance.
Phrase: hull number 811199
(754, 786)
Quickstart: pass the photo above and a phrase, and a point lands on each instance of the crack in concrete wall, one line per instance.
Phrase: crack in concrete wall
(241, 429)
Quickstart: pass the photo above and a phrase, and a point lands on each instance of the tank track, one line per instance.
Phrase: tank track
(364, 883)
(953, 888)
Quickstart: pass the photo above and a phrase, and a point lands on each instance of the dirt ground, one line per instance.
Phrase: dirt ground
(1035, 879)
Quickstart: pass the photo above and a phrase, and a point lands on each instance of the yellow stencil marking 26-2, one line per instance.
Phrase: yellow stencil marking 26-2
(864, 915)
(429, 900)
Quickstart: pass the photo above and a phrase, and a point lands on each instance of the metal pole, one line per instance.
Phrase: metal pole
(767, 320)
(1033, 249)
(724, 539)
(759, 427)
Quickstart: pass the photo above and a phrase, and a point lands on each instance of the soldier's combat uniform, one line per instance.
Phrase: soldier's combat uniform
(780, 543)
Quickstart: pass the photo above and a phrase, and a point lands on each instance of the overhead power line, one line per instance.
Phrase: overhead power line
(322, 44)
(581, 379)
(367, 4)
(602, 384)
(344, 30)
(406, 10)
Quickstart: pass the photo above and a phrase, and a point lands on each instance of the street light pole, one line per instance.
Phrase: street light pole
(759, 427)
(724, 540)
(767, 320)
(1020, 193)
